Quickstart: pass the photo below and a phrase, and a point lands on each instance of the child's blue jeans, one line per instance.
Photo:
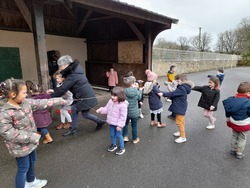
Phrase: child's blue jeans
(25, 169)
(116, 134)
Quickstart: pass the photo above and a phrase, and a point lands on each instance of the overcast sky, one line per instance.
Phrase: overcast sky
(213, 16)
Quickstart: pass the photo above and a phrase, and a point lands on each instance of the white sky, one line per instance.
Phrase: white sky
(213, 16)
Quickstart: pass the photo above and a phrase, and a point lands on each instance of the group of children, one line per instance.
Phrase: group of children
(21, 118)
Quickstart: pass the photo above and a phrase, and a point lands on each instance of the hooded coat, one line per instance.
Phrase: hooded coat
(238, 113)
(17, 125)
(133, 96)
(179, 98)
(77, 83)
(154, 100)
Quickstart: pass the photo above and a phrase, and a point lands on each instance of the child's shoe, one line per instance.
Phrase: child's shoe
(233, 152)
(161, 125)
(125, 138)
(180, 140)
(140, 114)
(239, 155)
(120, 152)
(210, 126)
(60, 126)
(177, 134)
(36, 183)
(67, 125)
(48, 139)
(153, 123)
(112, 148)
(136, 140)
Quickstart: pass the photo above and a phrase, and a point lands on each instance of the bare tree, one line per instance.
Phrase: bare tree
(201, 43)
(183, 43)
(228, 42)
(163, 43)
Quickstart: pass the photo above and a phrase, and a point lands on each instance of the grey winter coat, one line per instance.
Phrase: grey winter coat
(17, 125)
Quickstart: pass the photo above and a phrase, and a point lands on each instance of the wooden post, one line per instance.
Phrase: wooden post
(40, 43)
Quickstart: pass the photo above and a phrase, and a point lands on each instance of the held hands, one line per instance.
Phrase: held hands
(160, 94)
(99, 110)
(49, 91)
(118, 128)
(212, 108)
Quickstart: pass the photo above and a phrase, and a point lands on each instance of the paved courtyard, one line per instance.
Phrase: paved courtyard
(82, 161)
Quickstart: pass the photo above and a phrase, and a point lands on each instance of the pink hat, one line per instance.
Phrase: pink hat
(150, 75)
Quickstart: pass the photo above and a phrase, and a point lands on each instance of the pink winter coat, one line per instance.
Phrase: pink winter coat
(112, 78)
(116, 113)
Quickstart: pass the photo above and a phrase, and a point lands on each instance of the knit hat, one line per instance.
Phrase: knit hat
(129, 80)
(150, 75)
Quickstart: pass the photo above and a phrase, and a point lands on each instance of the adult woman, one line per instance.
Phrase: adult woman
(83, 94)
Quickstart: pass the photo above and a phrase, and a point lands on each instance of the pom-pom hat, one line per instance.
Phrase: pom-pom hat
(150, 75)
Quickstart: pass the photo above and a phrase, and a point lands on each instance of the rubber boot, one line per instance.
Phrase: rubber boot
(47, 139)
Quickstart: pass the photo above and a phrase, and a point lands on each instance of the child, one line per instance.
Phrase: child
(210, 96)
(29, 85)
(64, 111)
(179, 104)
(17, 127)
(138, 83)
(220, 75)
(112, 78)
(133, 96)
(171, 85)
(42, 117)
(116, 110)
(237, 110)
(152, 90)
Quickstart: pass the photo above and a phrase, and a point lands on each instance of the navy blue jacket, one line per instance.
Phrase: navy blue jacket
(154, 99)
(179, 98)
(77, 83)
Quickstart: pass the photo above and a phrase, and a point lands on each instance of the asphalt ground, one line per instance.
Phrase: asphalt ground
(82, 161)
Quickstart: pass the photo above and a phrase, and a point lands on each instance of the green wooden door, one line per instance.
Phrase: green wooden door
(10, 65)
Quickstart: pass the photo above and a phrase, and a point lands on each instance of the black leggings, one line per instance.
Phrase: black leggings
(158, 117)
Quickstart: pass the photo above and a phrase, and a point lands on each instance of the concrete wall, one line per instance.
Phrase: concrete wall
(161, 68)
(74, 47)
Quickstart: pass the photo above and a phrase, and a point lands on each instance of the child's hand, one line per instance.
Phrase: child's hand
(160, 94)
(99, 110)
(49, 91)
(118, 128)
(212, 108)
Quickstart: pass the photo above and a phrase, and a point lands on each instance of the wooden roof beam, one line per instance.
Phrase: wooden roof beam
(84, 21)
(25, 12)
(136, 31)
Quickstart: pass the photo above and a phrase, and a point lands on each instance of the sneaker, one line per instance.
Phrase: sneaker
(120, 152)
(125, 138)
(232, 152)
(177, 134)
(180, 140)
(141, 116)
(171, 117)
(37, 183)
(70, 132)
(136, 140)
(239, 155)
(210, 126)
(99, 125)
(112, 148)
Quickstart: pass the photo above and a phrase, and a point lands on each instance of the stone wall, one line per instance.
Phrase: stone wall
(161, 68)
